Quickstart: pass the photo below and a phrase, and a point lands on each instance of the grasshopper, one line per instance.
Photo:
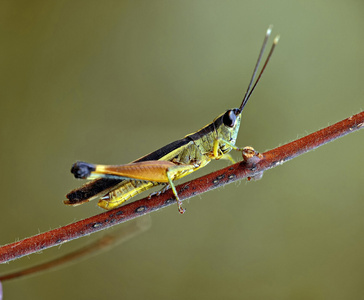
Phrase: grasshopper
(115, 184)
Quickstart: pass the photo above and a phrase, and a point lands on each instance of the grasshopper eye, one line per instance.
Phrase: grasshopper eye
(229, 118)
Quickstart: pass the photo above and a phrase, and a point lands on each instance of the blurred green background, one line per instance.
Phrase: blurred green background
(109, 81)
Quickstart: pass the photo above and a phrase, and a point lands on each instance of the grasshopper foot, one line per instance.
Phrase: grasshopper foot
(180, 208)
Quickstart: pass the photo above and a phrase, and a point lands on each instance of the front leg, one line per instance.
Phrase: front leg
(247, 151)
(218, 154)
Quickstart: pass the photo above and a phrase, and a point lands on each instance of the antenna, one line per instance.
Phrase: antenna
(252, 86)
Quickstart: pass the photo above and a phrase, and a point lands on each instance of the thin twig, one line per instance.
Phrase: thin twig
(105, 243)
(248, 168)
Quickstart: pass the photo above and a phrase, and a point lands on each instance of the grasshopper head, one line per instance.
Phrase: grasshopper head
(227, 125)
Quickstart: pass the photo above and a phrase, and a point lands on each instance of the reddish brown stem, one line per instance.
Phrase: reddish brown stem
(104, 243)
(248, 168)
